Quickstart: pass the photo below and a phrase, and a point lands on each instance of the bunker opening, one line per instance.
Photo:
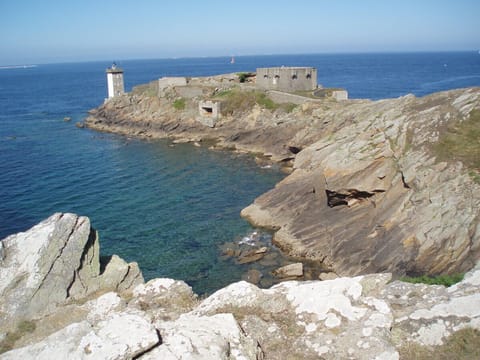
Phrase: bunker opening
(207, 110)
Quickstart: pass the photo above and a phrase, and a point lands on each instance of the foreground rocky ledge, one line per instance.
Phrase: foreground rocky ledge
(58, 302)
(369, 190)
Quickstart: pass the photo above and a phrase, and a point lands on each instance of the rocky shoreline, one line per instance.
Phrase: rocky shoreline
(58, 301)
(368, 191)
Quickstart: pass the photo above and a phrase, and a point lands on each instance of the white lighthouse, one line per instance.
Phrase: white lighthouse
(115, 81)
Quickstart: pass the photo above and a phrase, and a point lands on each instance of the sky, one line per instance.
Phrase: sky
(48, 31)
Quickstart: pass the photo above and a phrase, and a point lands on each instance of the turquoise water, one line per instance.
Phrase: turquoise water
(167, 207)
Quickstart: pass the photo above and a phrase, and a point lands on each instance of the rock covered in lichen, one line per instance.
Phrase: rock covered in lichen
(55, 262)
(362, 317)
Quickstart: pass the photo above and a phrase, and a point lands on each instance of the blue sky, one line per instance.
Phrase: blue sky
(35, 31)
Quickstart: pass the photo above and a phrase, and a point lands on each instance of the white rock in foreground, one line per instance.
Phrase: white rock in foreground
(363, 317)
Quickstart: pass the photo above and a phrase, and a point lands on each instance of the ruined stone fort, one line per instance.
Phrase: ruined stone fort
(287, 79)
(283, 84)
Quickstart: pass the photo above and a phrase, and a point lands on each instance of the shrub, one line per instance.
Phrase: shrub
(445, 280)
(179, 104)
(242, 77)
(461, 142)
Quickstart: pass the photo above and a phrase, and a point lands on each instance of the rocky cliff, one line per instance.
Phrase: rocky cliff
(375, 185)
(112, 314)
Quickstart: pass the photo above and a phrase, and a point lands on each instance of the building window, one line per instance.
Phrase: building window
(294, 76)
(309, 76)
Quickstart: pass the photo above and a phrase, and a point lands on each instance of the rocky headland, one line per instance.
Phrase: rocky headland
(375, 190)
(60, 300)
(373, 186)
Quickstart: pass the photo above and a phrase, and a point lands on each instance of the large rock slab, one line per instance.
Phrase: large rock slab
(119, 336)
(204, 337)
(55, 261)
(364, 317)
(373, 197)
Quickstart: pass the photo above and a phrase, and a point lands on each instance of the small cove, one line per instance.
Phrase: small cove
(168, 207)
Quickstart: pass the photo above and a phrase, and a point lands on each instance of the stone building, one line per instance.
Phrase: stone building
(287, 78)
(115, 81)
(210, 112)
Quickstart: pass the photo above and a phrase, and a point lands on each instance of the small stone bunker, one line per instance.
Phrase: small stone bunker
(287, 78)
(209, 112)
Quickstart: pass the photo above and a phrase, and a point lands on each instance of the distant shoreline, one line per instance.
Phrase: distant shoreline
(18, 66)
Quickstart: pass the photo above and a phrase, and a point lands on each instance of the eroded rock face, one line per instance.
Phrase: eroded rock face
(371, 196)
(54, 262)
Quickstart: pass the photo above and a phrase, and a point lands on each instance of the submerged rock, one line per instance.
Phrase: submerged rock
(253, 276)
(252, 255)
(289, 271)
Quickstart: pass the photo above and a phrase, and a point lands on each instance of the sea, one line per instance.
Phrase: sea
(169, 207)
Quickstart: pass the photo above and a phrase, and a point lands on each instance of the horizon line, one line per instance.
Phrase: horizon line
(34, 64)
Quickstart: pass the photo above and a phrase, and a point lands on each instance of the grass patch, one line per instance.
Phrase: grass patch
(475, 175)
(264, 101)
(445, 280)
(179, 104)
(288, 107)
(461, 345)
(238, 101)
(150, 89)
(461, 142)
(23, 328)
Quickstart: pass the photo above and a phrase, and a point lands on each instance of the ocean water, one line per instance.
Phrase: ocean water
(167, 207)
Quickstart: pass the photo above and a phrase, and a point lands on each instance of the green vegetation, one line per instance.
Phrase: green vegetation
(8, 342)
(461, 142)
(445, 280)
(235, 101)
(179, 104)
(264, 101)
(150, 89)
(461, 345)
(242, 77)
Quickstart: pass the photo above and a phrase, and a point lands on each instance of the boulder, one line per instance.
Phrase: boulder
(327, 276)
(252, 255)
(55, 261)
(253, 276)
(107, 339)
(289, 271)
(164, 299)
(204, 337)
